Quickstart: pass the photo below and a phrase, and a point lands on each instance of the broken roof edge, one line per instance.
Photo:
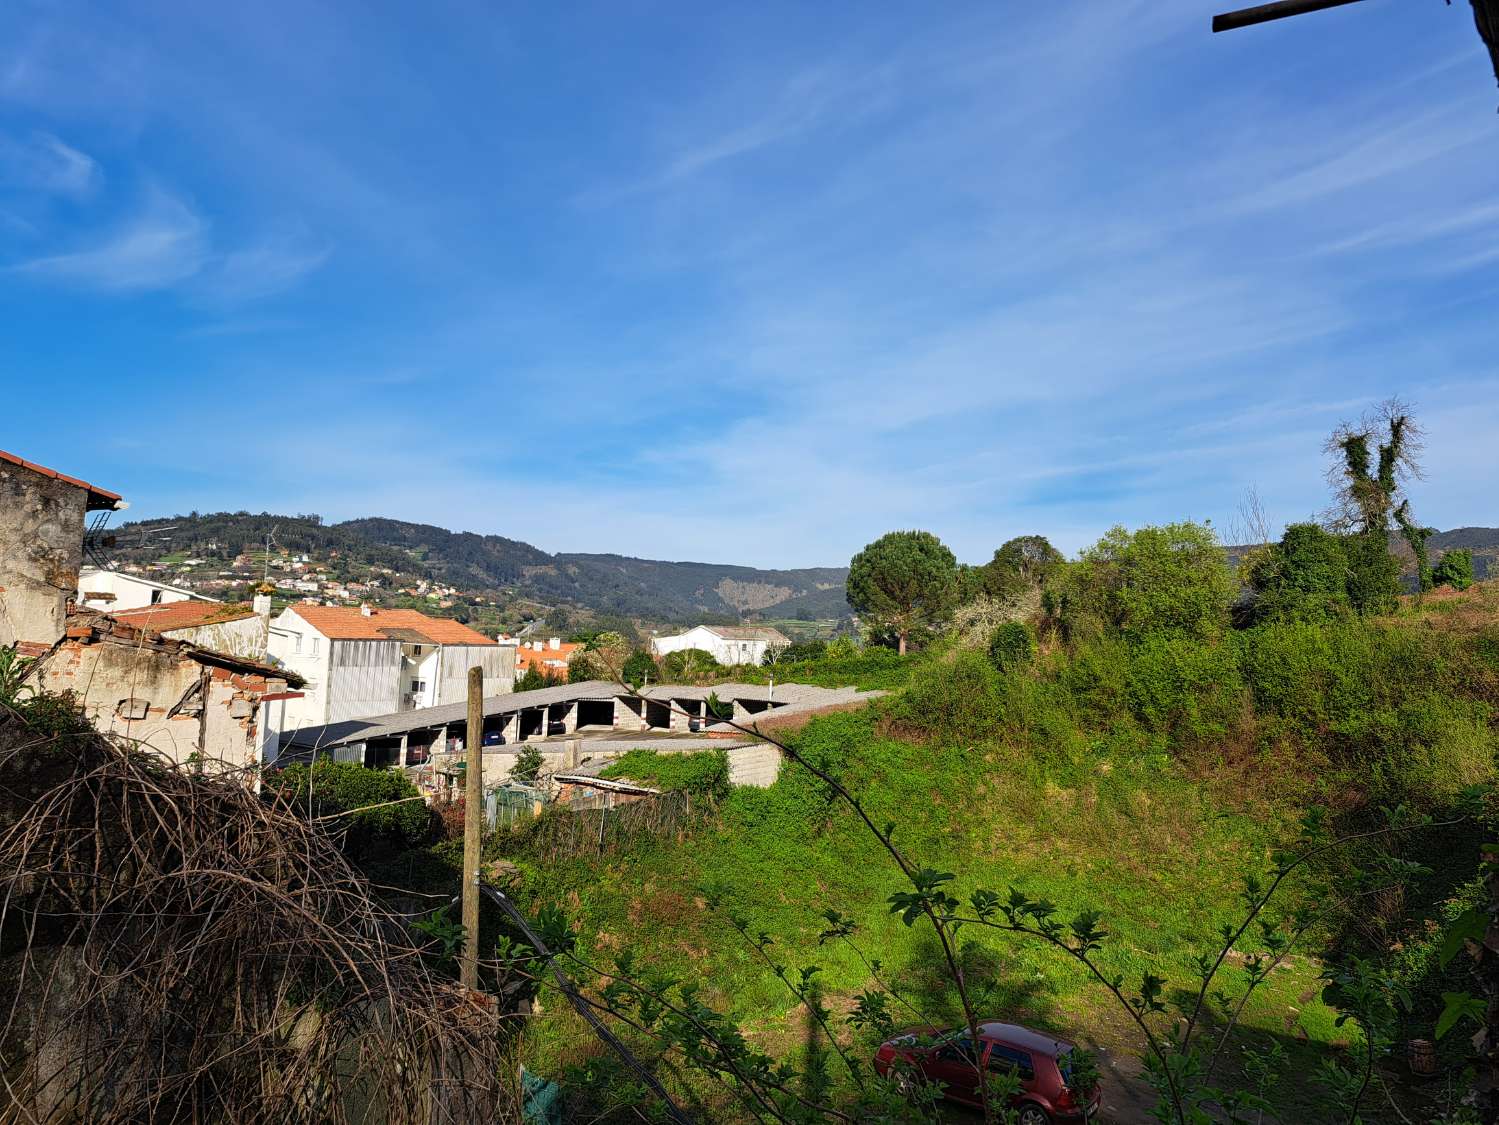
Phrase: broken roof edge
(87, 627)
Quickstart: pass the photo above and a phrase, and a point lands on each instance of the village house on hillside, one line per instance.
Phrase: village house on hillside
(42, 518)
(366, 661)
(550, 657)
(728, 644)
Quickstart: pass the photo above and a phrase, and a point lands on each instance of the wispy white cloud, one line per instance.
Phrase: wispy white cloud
(164, 243)
(44, 163)
(262, 269)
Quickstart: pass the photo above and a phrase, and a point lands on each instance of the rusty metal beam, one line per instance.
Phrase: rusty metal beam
(1264, 13)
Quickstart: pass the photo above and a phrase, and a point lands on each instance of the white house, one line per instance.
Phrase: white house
(366, 661)
(110, 591)
(729, 644)
(236, 628)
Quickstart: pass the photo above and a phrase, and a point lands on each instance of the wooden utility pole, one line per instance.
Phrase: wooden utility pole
(473, 823)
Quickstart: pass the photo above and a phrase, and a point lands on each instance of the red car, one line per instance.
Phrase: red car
(1039, 1060)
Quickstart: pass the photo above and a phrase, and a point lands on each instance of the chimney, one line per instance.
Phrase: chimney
(554, 644)
(364, 608)
(262, 605)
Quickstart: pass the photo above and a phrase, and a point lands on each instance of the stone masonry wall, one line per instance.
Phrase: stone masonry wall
(41, 550)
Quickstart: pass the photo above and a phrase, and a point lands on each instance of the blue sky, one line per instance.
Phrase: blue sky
(747, 283)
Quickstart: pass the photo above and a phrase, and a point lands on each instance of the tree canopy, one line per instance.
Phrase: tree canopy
(1155, 580)
(904, 580)
(1025, 561)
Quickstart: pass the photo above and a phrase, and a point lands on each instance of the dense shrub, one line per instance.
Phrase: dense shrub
(704, 775)
(527, 766)
(1303, 577)
(1433, 747)
(1183, 687)
(803, 650)
(688, 665)
(1454, 569)
(638, 668)
(1011, 646)
(330, 788)
(1096, 676)
(1373, 573)
(953, 701)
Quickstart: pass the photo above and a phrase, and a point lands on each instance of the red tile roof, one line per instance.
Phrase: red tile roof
(107, 497)
(167, 616)
(345, 623)
(526, 658)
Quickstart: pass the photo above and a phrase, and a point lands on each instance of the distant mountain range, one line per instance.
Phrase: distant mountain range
(607, 584)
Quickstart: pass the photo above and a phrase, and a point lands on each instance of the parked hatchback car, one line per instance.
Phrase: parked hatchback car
(1040, 1061)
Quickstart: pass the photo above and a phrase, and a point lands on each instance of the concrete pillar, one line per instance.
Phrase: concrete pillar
(405, 747)
(569, 718)
(440, 746)
(572, 755)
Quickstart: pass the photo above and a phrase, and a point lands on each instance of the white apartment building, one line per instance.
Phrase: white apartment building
(363, 662)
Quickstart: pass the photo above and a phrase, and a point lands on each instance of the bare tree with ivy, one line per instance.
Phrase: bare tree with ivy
(1372, 461)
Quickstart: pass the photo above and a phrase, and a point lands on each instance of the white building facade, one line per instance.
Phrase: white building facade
(110, 591)
(363, 662)
(728, 644)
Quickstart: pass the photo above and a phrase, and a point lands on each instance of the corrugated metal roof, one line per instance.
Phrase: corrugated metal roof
(454, 714)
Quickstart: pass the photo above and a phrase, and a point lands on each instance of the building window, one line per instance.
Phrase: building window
(418, 686)
(155, 597)
(416, 650)
(314, 646)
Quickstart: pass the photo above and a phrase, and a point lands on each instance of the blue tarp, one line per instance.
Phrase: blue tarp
(542, 1099)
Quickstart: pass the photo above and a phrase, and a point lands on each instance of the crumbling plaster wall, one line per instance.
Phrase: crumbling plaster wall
(41, 550)
(129, 691)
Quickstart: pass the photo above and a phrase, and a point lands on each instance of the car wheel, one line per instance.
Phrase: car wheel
(904, 1085)
(1032, 1114)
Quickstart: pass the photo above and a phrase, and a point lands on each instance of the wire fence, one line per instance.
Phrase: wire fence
(601, 823)
(512, 805)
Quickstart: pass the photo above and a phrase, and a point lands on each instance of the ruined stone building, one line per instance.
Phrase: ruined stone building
(190, 703)
(42, 521)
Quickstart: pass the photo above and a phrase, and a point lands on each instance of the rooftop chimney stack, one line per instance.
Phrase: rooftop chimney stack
(364, 608)
(555, 643)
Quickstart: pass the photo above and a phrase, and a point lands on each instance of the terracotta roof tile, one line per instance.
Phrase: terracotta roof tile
(526, 658)
(189, 614)
(345, 623)
(93, 491)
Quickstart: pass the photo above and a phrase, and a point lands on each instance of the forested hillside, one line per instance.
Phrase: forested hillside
(606, 584)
